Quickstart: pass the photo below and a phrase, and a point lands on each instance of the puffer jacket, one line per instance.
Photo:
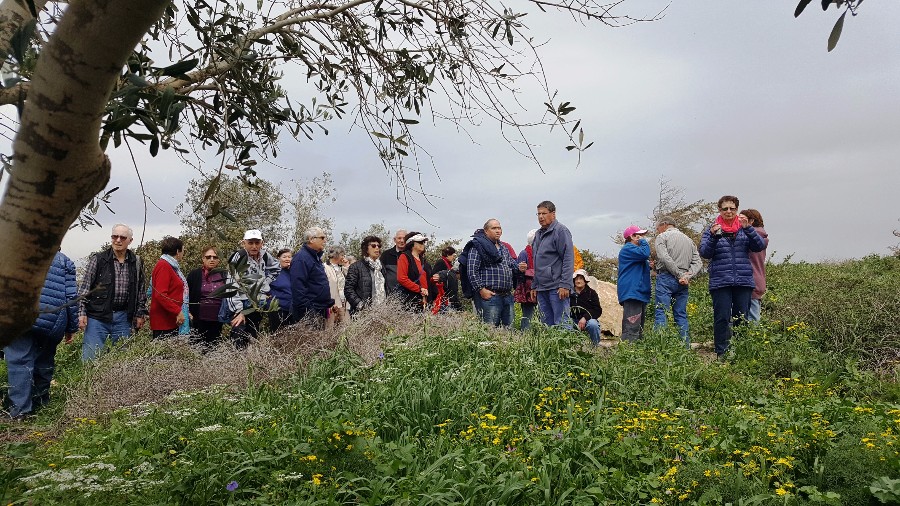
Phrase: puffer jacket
(359, 289)
(730, 257)
(59, 289)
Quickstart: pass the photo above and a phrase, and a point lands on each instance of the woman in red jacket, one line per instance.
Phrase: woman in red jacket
(169, 290)
(412, 276)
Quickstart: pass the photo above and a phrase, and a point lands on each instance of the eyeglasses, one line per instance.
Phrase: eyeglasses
(544, 214)
(211, 257)
(374, 245)
(728, 209)
(319, 237)
(115, 237)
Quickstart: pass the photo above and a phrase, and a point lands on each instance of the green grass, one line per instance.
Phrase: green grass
(468, 415)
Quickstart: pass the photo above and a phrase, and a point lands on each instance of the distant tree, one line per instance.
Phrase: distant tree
(601, 267)
(351, 241)
(691, 217)
(306, 208)
(896, 249)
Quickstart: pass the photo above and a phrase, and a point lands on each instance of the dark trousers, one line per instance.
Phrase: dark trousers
(280, 319)
(730, 304)
(241, 334)
(30, 362)
(206, 332)
(633, 319)
(314, 317)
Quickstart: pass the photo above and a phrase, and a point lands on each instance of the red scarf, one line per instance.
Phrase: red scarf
(731, 228)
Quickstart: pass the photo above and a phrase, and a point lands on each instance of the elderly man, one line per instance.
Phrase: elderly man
(389, 261)
(677, 261)
(491, 269)
(554, 263)
(310, 290)
(262, 269)
(112, 293)
(633, 286)
(30, 358)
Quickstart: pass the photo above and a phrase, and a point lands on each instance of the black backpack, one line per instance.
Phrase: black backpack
(463, 260)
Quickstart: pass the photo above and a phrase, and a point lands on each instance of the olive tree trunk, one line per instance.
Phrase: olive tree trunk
(57, 161)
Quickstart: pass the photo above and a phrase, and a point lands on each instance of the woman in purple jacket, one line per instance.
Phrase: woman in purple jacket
(727, 244)
(758, 261)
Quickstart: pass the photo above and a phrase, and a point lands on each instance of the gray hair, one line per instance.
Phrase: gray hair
(487, 224)
(666, 220)
(335, 251)
(529, 237)
(126, 227)
(312, 232)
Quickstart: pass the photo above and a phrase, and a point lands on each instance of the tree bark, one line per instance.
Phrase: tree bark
(57, 161)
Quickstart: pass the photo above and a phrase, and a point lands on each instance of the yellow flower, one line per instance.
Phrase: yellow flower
(317, 479)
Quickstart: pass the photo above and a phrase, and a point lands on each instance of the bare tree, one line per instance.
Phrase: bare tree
(88, 76)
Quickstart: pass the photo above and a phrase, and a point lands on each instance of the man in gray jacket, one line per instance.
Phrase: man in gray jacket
(677, 261)
(554, 263)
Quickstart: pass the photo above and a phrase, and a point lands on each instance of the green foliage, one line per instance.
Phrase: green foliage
(601, 267)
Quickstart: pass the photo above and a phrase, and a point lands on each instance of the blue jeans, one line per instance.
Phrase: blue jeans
(554, 311)
(97, 333)
(670, 293)
(496, 309)
(527, 314)
(730, 303)
(592, 327)
(30, 361)
(755, 310)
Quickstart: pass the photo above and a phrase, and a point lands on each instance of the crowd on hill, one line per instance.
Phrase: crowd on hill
(324, 287)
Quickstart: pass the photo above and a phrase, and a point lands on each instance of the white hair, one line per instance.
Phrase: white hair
(312, 232)
(529, 237)
(126, 227)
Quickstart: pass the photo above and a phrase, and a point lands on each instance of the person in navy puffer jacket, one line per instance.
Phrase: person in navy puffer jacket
(310, 291)
(727, 243)
(30, 359)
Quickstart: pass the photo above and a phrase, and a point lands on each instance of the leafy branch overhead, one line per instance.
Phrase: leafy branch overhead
(850, 6)
(225, 76)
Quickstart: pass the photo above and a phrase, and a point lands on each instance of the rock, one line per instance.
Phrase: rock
(611, 319)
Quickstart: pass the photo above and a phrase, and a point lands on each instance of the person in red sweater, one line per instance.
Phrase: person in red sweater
(412, 277)
(169, 290)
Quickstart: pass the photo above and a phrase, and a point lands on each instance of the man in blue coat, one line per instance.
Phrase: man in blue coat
(554, 263)
(634, 282)
(30, 358)
(309, 284)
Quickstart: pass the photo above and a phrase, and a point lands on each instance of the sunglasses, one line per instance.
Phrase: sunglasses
(211, 257)
(115, 237)
(374, 245)
(728, 208)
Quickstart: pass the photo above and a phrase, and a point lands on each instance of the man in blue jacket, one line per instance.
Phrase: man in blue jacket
(30, 358)
(309, 284)
(634, 282)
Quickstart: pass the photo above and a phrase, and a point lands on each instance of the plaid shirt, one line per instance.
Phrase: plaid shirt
(497, 277)
(120, 291)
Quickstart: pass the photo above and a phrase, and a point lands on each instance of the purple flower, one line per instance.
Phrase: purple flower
(381, 354)
(232, 486)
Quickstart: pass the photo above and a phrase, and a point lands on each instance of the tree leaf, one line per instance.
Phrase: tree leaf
(800, 6)
(408, 121)
(154, 146)
(836, 32)
(178, 69)
(213, 185)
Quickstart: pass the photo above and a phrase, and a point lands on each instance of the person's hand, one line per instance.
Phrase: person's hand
(563, 293)
(534, 294)
(744, 221)
(581, 323)
(179, 319)
(684, 280)
(237, 320)
(436, 278)
(139, 322)
(715, 229)
(523, 266)
(424, 292)
(69, 337)
(485, 293)
(82, 322)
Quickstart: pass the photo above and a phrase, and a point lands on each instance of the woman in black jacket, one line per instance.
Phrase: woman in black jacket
(365, 282)
(204, 308)
(449, 277)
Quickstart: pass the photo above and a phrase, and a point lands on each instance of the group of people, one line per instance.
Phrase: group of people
(547, 276)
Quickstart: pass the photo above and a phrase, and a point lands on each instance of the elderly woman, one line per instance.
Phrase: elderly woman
(448, 278)
(280, 289)
(170, 290)
(202, 284)
(727, 244)
(412, 276)
(365, 285)
(524, 294)
(336, 270)
(758, 261)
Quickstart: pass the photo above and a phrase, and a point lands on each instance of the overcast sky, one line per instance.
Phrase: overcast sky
(719, 97)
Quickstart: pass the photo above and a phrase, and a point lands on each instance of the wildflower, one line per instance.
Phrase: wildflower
(381, 355)
(232, 486)
(317, 479)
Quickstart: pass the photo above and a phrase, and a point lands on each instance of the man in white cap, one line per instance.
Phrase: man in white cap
(633, 285)
(261, 269)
